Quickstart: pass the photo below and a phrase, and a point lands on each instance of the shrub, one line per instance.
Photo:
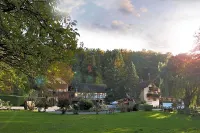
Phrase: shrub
(14, 100)
(42, 103)
(85, 104)
(63, 103)
(141, 107)
(5, 105)
(136, 107)
(76, 108)
(148, 107)
(145, 107)
(143, 102)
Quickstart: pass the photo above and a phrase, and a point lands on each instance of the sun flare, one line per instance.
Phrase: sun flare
(182, 34)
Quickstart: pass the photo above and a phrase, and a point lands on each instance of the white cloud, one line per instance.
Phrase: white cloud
(143, 9)
(120, 26)
(107, 4)
(69, 5)
(109, 29)
(124, 6)
(107, 40)
(117, 23)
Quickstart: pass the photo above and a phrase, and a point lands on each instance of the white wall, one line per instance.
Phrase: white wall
(91, 95)
(149, 101)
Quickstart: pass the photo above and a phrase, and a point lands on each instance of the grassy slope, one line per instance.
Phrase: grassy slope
(137, 122)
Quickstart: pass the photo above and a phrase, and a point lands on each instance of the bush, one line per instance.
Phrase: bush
(63, 103)
(42, 103)
(143, 102)
(136, 107)
(148, 107)
(5, 105)
(145, 107)
(85, 104)
(76, 108)
(14, 100)
(141, 107)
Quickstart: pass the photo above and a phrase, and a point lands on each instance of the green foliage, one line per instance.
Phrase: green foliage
(136, 107)
(148, 107)
(120, 70)
(63, 102)
(34, 35)
(145, 107)
(181, 77)
(5, 104)
(142, 102)
(14, 100)
(132, 80)
(43, 103)
(76, 108)
(141, 107)
(85, 104)
(12, 79)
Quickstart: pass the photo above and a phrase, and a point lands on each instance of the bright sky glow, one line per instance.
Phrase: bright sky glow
(159, 25)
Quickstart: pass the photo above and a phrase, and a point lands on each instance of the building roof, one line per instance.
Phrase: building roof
(84, 87)
(144, 84)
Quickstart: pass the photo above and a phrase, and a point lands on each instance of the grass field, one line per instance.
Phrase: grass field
(135, 122)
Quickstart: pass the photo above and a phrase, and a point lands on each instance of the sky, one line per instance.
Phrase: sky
(159, 25)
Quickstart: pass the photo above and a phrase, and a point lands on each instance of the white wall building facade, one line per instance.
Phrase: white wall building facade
(150, 97)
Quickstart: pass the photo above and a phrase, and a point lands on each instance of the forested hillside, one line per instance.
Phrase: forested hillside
(120, 70)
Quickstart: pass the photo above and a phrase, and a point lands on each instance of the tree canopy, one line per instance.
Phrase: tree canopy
(33, 34)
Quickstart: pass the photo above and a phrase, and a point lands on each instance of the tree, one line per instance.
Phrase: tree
(59, 73)
(132, 80)
(33, 34)
(12, 81)
(114, 73)
(186, 79)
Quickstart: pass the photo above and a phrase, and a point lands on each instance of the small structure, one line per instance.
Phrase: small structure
(150, 94)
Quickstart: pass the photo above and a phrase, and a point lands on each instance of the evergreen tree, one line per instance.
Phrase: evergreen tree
(132, 80)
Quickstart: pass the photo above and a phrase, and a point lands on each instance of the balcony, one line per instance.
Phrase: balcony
(153, 95)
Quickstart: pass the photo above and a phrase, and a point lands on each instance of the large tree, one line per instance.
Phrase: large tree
(185, 71)
(33, 34)
(59, 73)
(12, 80)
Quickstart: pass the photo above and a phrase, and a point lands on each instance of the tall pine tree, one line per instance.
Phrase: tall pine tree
(132, 80)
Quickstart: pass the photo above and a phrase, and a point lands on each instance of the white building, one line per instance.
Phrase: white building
(91, 91)
(151, 95)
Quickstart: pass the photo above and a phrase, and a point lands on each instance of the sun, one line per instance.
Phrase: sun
(182, 35)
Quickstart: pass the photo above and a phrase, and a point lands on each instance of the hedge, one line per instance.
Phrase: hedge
(14, 100)
(85, 104)
(145, 107)
(148, 107)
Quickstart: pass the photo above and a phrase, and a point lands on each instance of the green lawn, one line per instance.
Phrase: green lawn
(135, 122)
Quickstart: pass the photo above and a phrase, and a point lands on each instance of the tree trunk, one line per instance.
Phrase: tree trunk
(187, 105)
